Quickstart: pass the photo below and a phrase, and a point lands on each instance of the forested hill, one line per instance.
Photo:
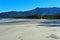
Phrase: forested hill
(37, 11)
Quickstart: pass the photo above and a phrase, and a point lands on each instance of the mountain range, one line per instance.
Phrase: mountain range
(40, 11)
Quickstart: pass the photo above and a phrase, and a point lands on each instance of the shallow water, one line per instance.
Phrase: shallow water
(50, 23)
(40, 22)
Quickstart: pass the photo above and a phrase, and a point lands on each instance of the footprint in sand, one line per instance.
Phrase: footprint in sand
(20, 38)
(53, 36)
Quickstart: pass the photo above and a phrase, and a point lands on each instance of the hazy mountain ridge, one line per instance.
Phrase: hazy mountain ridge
(40, 11)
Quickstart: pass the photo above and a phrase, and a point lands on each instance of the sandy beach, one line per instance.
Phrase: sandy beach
(28, 31)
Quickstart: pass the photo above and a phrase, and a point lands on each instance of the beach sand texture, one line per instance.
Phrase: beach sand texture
(28, 31)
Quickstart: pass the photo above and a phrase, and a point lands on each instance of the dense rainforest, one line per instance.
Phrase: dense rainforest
(37, 16)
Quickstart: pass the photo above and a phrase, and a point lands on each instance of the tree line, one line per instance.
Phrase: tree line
(37, 16)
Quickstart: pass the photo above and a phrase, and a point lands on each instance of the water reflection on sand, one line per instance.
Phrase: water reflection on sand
(40, 22)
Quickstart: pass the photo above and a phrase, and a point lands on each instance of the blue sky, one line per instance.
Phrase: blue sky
(23, 5)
